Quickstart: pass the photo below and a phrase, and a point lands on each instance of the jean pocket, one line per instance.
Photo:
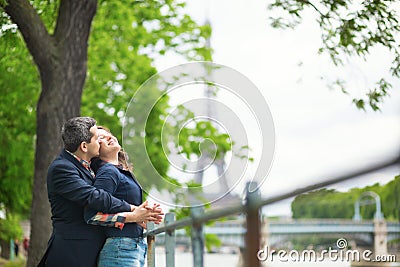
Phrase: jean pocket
(127, 244)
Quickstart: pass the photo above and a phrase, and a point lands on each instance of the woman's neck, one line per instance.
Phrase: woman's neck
(111, 159)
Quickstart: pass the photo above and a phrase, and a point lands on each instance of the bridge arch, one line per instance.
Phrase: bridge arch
(362, 200)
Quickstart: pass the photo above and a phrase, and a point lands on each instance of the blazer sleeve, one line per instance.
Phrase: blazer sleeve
(106, 179)
(67, 182)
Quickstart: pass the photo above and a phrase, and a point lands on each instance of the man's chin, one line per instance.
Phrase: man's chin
(96, 155)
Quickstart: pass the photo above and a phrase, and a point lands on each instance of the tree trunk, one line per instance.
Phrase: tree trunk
(5, 249)
(53, 109)
(62, 64)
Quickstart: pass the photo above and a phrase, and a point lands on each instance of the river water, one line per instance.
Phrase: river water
(184, 259)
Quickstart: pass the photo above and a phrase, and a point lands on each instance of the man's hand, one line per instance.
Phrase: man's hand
(143, 224)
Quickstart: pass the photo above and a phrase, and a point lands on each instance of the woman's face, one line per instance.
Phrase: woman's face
(108, 143)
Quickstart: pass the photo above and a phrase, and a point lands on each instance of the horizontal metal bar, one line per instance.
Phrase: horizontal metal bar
(211, 215)
(239, 208)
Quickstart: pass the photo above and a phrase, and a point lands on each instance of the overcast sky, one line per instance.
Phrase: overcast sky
(319, 132)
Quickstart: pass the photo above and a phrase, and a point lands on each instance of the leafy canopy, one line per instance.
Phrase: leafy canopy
(126, 37)
(328, 203)
(350, 29)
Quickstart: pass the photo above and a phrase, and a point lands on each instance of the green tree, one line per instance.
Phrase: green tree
(121, 56)
(56, 34)
(390, 196)
(329, 203)
(350, 29)
(11, 230)
(17, 124)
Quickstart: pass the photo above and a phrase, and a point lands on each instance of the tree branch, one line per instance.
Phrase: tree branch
(33, 30)
(315, 8)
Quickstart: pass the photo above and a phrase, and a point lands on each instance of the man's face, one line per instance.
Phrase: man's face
(94, 146)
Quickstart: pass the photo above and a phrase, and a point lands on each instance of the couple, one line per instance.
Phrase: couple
(81, 202)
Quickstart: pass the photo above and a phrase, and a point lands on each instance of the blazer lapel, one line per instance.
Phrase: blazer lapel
(86, 173)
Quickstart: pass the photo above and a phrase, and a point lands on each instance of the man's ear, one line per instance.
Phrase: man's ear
(83, 147)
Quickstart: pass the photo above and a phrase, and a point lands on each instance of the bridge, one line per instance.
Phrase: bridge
(275, 232)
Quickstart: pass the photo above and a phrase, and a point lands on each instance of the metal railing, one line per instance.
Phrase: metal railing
(251, 207)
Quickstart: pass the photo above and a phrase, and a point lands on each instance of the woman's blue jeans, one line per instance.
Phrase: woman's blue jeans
(123, 251)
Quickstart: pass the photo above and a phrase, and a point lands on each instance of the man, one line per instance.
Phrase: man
(69, 185)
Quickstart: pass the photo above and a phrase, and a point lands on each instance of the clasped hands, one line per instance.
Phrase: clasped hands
(144, 213)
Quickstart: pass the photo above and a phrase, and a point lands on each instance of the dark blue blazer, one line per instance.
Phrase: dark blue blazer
(74, 243)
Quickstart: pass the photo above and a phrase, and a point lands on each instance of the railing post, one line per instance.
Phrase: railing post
(151, 250)
(197, 237)
(253, 226)
(169, 241)
(12, 254)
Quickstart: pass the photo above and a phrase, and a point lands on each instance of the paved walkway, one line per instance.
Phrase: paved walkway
(16, 263)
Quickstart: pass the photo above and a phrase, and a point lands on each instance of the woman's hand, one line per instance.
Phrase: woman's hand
(156, 208)
(144, 213)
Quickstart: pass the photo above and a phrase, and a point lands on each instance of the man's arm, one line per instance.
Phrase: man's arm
(139, 215)
(107, 179)
(67, 182)
(108, 220)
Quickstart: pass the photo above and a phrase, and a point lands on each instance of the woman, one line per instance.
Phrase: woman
(126, 246)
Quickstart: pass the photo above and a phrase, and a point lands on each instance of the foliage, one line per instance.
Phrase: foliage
(16, 263)
(10, 227)
(121, 54)
(350, 29)
(328, 203)
(20, 88)
(126, 38)
(391, 199)
(323, 204)
(211, 240)
(191, 139)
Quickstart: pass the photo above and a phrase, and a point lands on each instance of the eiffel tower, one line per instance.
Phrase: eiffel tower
(223, 196)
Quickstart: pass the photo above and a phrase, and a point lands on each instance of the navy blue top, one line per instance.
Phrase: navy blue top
(123, 185)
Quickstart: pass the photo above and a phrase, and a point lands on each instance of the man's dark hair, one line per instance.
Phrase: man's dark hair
(75, 131)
